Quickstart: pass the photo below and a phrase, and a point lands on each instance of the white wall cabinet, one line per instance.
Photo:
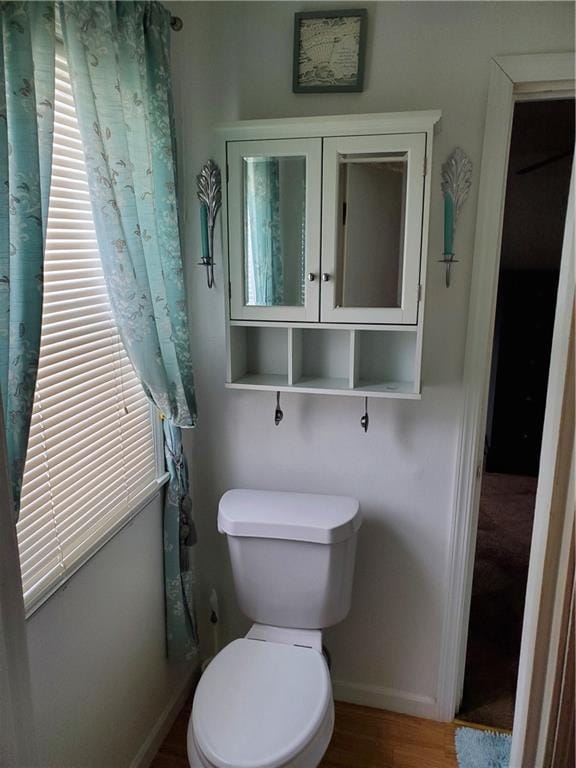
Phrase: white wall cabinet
(326, 223)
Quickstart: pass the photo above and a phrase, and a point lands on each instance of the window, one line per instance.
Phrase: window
(92, 455)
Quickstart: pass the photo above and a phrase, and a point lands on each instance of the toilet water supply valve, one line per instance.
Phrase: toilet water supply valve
(215, 621)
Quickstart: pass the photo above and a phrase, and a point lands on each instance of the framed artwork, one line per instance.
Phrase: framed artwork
(329, 49)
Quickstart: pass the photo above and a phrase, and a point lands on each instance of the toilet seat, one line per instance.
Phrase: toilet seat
(261, 705)
(310, 757)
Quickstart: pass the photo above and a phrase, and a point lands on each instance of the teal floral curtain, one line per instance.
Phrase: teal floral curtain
(26, 127)
(264, 273)
(118, 54)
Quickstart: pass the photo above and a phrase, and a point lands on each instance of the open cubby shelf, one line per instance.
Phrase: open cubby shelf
(367, 363)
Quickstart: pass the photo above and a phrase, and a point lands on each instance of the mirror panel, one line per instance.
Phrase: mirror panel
(274, 194)
(370, 250)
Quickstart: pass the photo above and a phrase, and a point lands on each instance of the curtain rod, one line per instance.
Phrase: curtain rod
(176, 23)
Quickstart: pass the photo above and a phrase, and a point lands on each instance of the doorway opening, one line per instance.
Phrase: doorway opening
(540, 161)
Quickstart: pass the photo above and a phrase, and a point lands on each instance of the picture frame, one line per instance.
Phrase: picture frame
(329, 51)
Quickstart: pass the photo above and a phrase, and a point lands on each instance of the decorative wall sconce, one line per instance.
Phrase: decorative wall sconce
(209, 183)
(456, 183)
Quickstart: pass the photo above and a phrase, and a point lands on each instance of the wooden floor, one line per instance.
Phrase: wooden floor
(363, 738)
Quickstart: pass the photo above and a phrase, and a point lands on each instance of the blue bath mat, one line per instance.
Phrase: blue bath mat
(477, 748)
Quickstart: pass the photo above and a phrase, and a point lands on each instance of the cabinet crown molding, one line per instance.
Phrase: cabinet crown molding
(332, 125)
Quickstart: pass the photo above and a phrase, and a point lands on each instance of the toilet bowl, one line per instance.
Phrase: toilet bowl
(265, 701)
(263, 705)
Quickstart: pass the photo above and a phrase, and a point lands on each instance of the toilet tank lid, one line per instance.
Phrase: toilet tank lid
(293, 516)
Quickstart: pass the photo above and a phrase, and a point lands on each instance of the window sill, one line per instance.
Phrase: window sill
(147, 496)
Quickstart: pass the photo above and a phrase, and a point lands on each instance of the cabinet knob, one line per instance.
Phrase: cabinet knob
(311, 277)
(325, 277)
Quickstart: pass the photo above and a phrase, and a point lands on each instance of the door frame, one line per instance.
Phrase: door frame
(512, 78)
(551, 549)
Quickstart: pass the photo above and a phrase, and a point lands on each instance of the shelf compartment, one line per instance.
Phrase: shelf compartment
(258, 356)
(319, 359)
(384, 362)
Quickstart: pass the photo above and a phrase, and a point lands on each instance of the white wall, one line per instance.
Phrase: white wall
(234, 61)
(373, 236)
(100, 679)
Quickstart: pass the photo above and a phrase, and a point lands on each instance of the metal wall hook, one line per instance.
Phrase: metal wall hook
(278, 413)
(365, 420)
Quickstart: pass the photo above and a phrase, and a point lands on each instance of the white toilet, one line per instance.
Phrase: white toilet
(265, 701)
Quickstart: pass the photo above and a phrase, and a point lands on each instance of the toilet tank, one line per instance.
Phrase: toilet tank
(292, 555)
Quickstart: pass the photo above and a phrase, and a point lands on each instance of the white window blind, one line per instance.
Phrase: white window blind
(91, 454)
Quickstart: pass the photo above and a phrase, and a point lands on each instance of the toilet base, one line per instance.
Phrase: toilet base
(310, 757)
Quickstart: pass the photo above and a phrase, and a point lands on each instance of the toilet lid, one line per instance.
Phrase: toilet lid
(258, 704)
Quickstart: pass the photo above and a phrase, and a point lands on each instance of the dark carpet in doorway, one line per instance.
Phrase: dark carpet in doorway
(498, 592)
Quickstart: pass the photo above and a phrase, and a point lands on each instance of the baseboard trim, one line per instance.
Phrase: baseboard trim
(165, 721)
(385, 698)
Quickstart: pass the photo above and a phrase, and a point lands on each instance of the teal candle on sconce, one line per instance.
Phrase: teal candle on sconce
(448, 225)
(456, 181)
(204, 232)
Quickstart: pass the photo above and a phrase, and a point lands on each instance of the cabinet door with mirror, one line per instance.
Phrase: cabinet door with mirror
(372, 228)
(274, 229)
